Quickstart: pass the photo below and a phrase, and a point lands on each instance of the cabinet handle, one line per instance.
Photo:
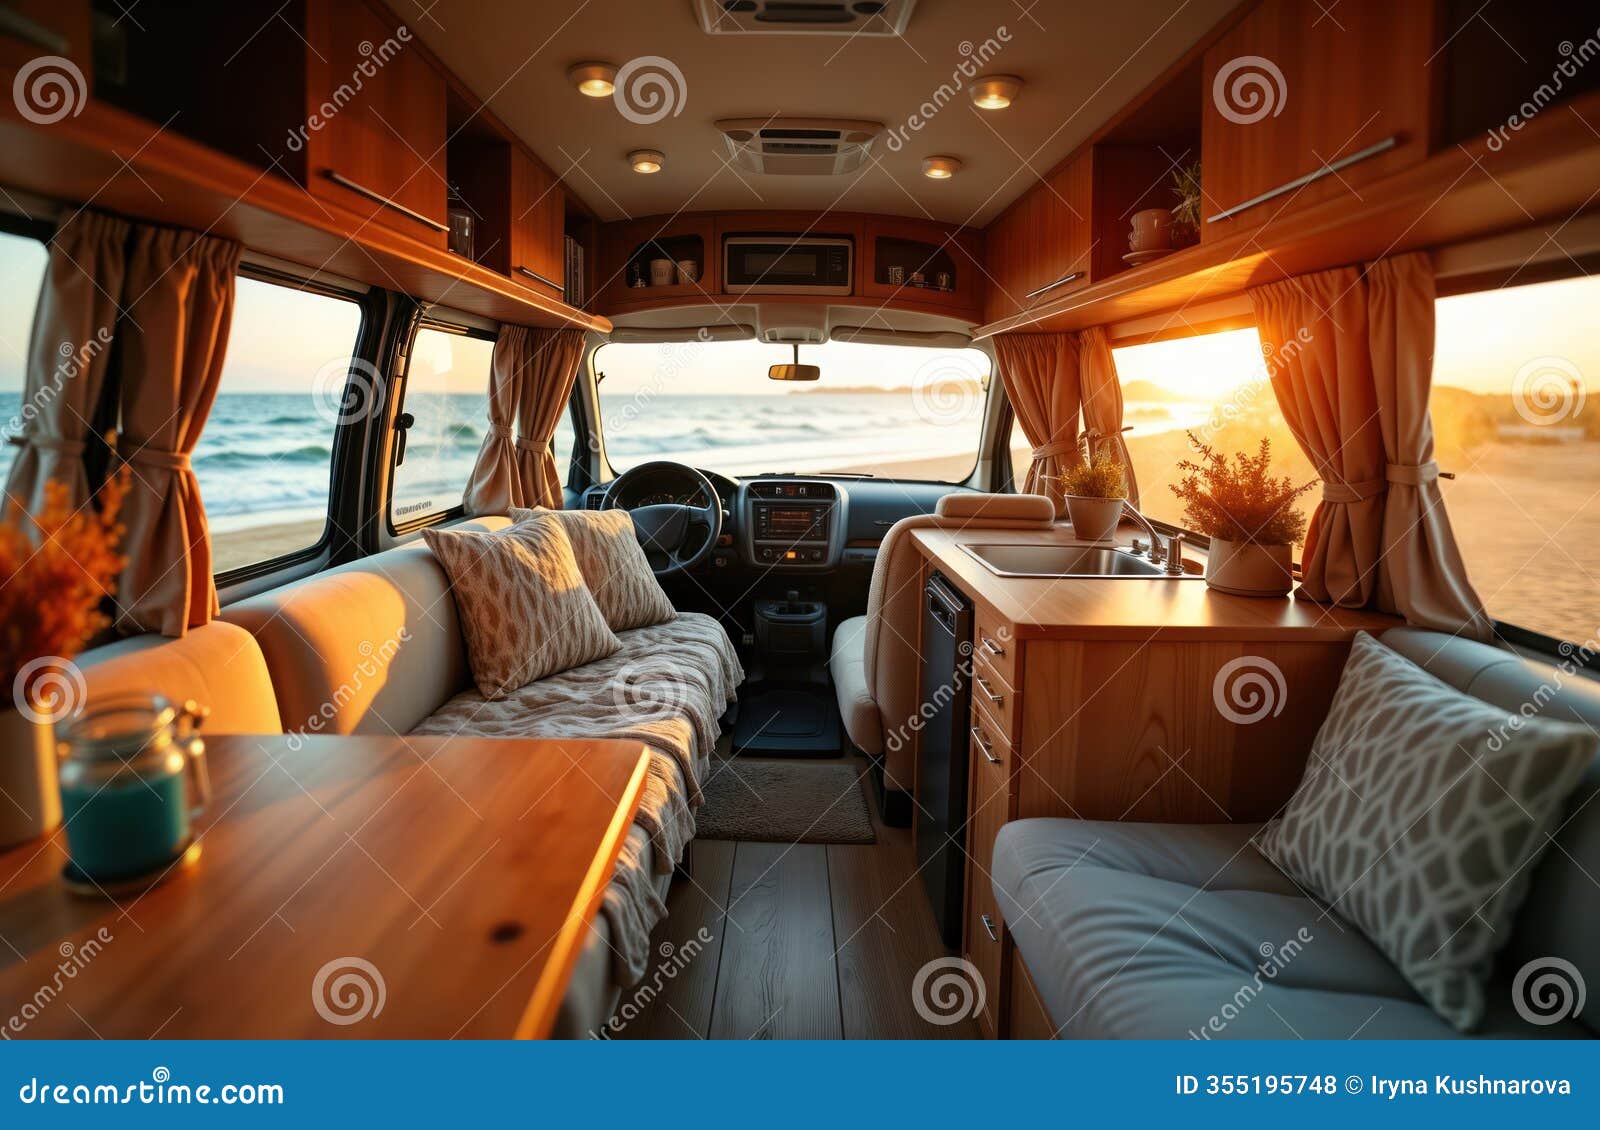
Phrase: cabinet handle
(983, 746)
(992, 648)
(1383, 146)
(1062, 281)
(989, 692)
(387, 202)
(989, 927)
(18, 26)
(532, 274)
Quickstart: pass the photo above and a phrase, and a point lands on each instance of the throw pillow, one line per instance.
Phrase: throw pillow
(613, 565)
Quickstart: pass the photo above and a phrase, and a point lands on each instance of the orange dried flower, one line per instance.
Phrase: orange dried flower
(56, 567)
(1239, 500)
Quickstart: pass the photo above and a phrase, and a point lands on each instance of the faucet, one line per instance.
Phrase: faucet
(1156, 555)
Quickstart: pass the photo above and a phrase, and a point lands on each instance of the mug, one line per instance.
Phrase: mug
(897, 275)
(133, 778)
(688, 271)
(661, 272)
(1152, 230)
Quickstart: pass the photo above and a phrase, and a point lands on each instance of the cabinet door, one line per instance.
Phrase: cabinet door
(538, 224)
(939, 253)
(1038, 249)
(989, 801)
(377, 106)
(44, 28)
(1296, 92)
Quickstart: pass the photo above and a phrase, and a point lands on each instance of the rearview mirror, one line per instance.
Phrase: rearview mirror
(795, 373)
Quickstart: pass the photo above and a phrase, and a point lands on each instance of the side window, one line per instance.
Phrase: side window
(447, 395)
(22, 265)
(265, 456)
(561, 444)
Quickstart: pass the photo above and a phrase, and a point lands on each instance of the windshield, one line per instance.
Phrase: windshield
(894, 411)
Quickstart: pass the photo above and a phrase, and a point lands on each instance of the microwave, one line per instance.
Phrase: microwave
(774, 264)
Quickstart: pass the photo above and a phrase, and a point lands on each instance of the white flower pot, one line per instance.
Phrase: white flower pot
(1094, 519)
(28, 776)
(1247, 569)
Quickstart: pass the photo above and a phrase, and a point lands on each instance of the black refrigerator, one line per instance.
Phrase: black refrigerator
(943, 707)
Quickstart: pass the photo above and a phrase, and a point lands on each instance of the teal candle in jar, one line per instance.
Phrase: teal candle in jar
(132, 779)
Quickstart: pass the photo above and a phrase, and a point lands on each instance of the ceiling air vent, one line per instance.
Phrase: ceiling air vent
(804, 17)
(798, 146)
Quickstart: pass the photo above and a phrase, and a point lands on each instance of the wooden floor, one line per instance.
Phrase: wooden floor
(806, 941)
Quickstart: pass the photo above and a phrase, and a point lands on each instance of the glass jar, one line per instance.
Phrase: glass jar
(133, 777)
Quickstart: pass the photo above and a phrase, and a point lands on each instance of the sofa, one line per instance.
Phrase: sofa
(375, 647)
(1167, 931)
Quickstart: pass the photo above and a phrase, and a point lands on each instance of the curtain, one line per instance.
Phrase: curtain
(530, 384)
(1102, 399)
(1314, 333)
(68, 357)
(1041, 376)
(172, 339)
(1420, 575)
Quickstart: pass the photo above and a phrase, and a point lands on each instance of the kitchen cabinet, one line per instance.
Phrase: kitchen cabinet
(1039, 248)
(538, 224)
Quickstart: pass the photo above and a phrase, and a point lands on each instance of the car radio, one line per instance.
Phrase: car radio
(792, 523)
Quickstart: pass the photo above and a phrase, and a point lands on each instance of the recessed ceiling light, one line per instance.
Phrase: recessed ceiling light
(940, 168)
(995, 92)
(646, 160)
(597, 80)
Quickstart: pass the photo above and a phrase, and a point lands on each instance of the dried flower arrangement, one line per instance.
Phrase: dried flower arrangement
(55, 569)
(1239, 500)
(1186, 187)
(1097, 473)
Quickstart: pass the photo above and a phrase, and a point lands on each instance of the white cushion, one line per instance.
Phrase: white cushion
(848, 664)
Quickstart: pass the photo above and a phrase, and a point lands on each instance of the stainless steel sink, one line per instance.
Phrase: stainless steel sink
(1062, 561)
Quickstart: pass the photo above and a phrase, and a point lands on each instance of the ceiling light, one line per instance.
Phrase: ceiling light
(597, 80)
(940, 168)
(995, 92)
(646, 160)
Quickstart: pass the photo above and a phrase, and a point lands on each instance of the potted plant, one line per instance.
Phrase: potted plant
(1186, 187)
(1249, 516)
(1095, 489)
(55, 569)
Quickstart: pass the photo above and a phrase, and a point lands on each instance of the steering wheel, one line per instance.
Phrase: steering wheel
(663, 529)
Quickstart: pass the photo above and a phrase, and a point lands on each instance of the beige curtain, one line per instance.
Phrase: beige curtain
(1102, 399)
(530, 384)
(172, 340)
(68, 357)
(1420, 574)
(1314, 331)
(1041, 376)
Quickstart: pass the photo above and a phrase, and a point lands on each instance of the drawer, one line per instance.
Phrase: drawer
(991, 744)
(995, 649)
(985, 932)
(995, 698)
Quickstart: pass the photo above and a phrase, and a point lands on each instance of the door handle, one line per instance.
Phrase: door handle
(989, 692)
(1049, 286)
(1383, 146)
(989, 927)
(983, 746)
(992, 648)
(386, 201)
(532, 274)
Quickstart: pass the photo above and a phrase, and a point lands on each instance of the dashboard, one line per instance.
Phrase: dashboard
(664, 486)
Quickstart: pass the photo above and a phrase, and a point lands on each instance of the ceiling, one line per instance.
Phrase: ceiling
(1080, 61)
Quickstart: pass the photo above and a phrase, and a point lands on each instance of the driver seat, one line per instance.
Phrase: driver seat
(874, 660)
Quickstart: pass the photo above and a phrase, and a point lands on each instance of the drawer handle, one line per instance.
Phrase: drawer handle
(989, 927)
(1049, 286)
(532, 274)
(983, 746)
(387, 202)
(989, 692)
(992, 648)
(1383, 146)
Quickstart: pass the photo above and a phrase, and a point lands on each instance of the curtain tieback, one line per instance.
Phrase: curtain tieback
(1412, 476)
(167, 460)
(71, 448)
(1352, 492)
(1058, 448)
(500, 431)
(530, 445)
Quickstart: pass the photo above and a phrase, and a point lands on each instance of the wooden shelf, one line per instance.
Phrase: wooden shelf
(1544, 173)
(114, 161)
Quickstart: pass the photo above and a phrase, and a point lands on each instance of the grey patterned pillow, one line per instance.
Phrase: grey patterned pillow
(613, 565)
(525, 611)
(1420, 818)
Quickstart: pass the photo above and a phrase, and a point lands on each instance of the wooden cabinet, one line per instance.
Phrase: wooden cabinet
(376, 107)
(35, 29)
(984, 939)
(1039, 248)
(918, 262)
(628, 248)
(538, 224)
(1312, 105)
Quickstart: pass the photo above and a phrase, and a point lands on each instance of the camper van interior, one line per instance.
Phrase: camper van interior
(739, 519)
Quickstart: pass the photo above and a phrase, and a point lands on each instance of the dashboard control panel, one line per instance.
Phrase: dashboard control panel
(791, 523)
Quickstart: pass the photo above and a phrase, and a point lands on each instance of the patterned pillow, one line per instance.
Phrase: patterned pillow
(1420, 818)
(525, 611)
(613, 565)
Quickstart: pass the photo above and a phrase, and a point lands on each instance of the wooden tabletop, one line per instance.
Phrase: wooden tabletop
(459, 874)
(1129, 607)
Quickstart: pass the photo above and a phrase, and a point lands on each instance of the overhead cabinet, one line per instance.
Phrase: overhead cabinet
(1039, 248)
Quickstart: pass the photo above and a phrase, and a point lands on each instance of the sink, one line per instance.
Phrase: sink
(1062, 561)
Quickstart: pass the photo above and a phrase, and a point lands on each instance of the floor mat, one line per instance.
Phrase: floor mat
(784, 802)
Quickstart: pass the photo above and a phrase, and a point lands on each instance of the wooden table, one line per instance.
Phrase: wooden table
(463, 872)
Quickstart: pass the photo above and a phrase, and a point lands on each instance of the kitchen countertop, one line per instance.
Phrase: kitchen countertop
(1128, 607)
